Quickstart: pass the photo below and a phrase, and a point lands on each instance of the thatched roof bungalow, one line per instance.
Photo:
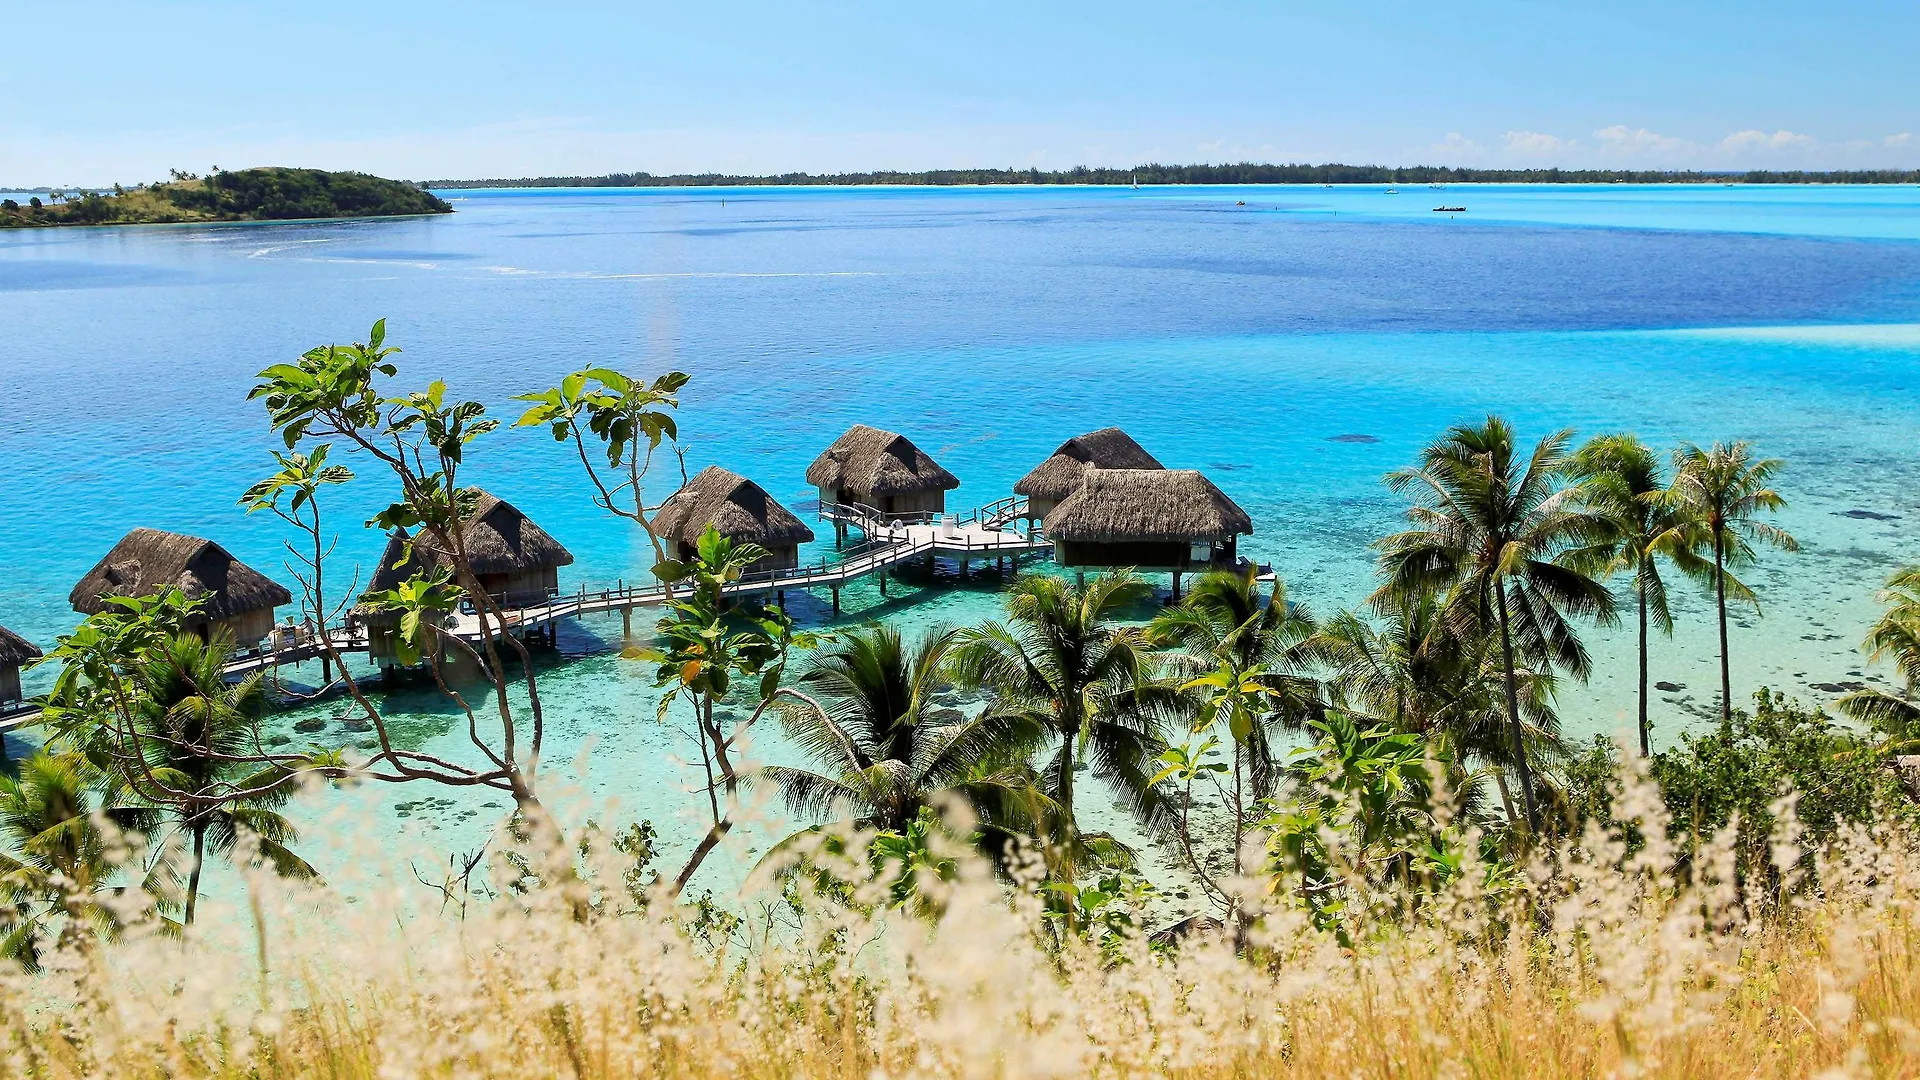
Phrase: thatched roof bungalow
(236, 597)
(517, 562)
(883, 470)
(15, 652)
(1152, 519)
(1051, 481)
(740, 509)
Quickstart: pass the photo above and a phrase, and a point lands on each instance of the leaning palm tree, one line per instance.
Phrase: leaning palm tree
(888, 752)
(66, 850)
(1643, 522)
(1895, 636)
(1256, 653)
(1726, 490)
(1063, 667)
(193, 724)
(1488, 526)
(1411, 673)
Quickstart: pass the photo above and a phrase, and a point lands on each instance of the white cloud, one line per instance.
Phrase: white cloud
(1623, 141)
(1760, 140)
(1455, 149)
(1895, 142)
(1535, 142)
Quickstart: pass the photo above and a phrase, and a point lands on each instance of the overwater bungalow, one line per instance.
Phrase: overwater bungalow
(740, 509)
(1170, 520)
(236, 597)
(1059, 476)
(882, 470)
(517, 562)
(401, 561)
(15, 652)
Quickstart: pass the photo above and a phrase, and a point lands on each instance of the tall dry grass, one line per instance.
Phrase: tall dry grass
(1619, 970)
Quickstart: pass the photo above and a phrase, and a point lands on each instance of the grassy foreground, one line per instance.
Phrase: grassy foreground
(1611, 967)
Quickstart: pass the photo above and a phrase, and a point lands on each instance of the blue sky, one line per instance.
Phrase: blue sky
(121, 92)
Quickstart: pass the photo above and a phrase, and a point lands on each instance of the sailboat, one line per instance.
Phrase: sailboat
(1136, 181)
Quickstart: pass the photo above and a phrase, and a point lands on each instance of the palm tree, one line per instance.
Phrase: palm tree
(1726, 490)
(1062, 668)
(1643, 521)
(1895, 636)
(191, 719)
(1412, 674)
(66, 850)
(1234, 640)
(886, 751)
(1488, 525)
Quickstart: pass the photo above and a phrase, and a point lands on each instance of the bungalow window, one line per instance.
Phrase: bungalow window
(1201, 551)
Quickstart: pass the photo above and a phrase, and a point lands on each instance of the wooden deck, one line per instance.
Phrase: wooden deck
(888, 542)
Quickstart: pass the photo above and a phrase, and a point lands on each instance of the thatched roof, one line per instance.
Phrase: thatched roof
(879, 462)
(1059, 476)
(733, 504)
(147, 561)
(501, 540)
(1147, 504)
(16, 650)
(399, 562)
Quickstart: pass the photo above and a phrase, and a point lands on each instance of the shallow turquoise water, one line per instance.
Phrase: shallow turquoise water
(990, 325)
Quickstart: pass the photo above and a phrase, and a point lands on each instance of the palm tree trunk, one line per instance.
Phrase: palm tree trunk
(1513, 713)
(193, 875)
(1506, 797)
(1720, 601)
(1239, 814)
(1645, 744)
(1068, 831)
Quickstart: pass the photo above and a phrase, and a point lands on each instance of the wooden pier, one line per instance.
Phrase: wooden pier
(889, 542)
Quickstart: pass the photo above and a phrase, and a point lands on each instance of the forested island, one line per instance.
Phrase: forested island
(1243, 173)
(262, 194)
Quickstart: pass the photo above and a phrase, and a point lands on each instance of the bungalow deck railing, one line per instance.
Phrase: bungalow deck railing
(994, 515)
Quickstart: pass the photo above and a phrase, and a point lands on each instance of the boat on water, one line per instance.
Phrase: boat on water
(1393, 191)
(1449, 209)
(1136, 181)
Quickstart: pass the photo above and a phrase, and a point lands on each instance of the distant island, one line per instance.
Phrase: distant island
(263, 194)
(1244, 173)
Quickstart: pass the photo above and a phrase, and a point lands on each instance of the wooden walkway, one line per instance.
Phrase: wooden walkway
(984, 534)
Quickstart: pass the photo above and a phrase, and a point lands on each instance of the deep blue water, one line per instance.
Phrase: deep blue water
(990, 325)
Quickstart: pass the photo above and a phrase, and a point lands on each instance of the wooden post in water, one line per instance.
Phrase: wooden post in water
(883, 581)
(836, 599)
(626, 624)
(1176, 586)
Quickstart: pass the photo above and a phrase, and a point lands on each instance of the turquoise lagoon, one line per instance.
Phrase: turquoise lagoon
(990, 324)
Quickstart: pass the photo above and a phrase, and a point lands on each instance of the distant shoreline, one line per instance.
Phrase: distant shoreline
(1182, 175)
(250, 195)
